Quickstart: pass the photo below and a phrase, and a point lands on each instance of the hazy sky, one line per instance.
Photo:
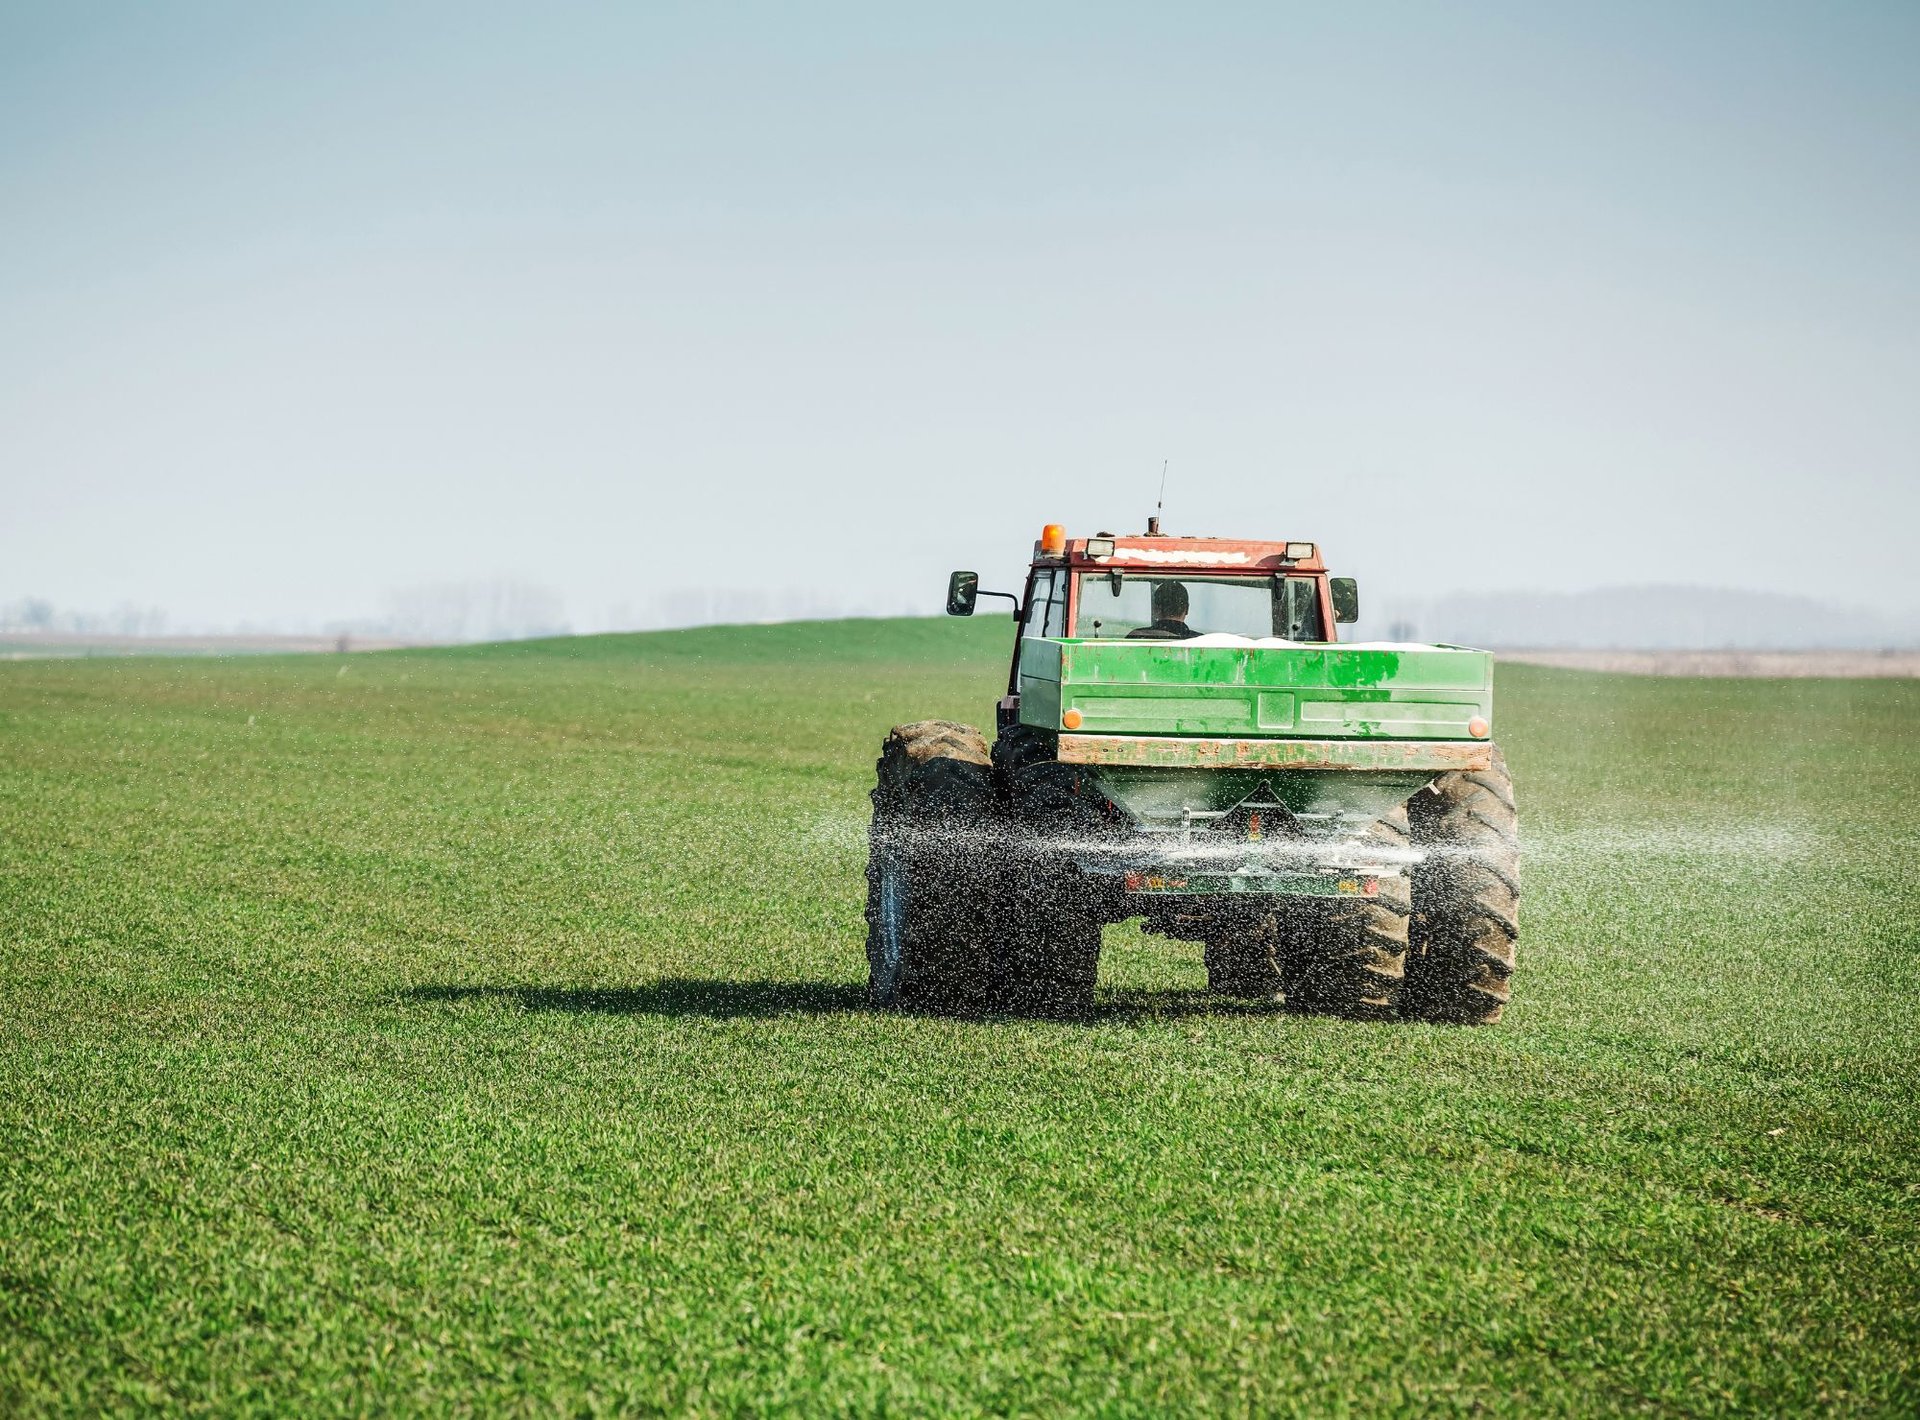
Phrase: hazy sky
(299, 305)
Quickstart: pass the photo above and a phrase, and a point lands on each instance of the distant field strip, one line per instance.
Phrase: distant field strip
(1746, 665)
(482, 1030)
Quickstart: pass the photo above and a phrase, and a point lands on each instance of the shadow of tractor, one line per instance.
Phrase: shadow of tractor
(673, 996)
(722, 999)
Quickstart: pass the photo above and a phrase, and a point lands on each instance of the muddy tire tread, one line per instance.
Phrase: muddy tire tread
(1466, 925)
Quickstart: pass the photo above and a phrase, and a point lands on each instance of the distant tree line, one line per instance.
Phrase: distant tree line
(37, 614)
(495, 609)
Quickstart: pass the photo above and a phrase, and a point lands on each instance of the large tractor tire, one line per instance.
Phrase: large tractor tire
(1347, 955)
(930, 876)
(1466, 897)
(1050, 916)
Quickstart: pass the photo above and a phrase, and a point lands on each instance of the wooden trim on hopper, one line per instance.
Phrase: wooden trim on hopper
(1171, 751)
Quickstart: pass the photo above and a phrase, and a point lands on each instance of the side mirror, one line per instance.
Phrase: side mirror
(963, 590)
(1346, 598)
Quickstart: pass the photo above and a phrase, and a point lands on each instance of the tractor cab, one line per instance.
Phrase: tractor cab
(1152, 587)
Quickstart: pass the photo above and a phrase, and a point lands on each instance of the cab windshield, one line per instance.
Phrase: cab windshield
(1117, 605)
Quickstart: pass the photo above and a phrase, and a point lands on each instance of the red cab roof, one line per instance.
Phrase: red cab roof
(1188, 554)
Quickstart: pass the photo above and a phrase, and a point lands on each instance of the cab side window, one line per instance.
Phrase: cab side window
(1299, 610)
(1047, 604)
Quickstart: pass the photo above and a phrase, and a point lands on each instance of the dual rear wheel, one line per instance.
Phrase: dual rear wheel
(1436, 946)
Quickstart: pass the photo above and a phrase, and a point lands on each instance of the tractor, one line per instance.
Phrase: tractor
(1185, 740)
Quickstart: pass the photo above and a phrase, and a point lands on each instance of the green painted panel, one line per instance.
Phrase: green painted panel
(1413, 719)
(1040, 702)
(1040, 658)
(1274, 710)
(1290, 667)
(1163, 714)
(1169, 688)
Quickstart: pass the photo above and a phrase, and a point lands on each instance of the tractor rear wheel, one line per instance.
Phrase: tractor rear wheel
(1347, 956)
(929, 877)
(1050, 917)
(1466, 897)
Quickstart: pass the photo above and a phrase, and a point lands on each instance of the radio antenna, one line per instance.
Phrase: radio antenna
(1160, 504)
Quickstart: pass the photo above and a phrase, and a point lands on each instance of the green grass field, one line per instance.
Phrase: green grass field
(483, 1030)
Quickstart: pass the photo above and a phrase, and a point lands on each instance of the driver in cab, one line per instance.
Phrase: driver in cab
(1170, 605)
